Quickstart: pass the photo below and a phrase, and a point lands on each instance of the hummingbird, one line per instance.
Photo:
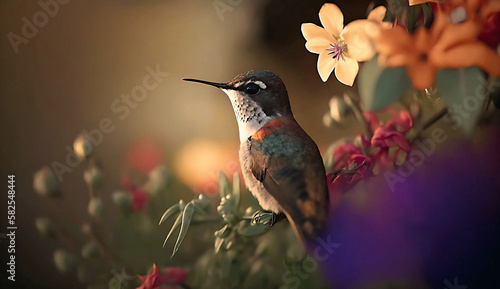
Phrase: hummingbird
(281, 164)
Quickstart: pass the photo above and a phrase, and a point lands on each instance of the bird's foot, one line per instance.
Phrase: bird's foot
(276, 218)
(267, 217)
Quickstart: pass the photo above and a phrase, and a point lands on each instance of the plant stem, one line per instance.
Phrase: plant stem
(66, 239)
(422, 127)
(92, 233)
(358, 113)
(434, 119)
(206, 219)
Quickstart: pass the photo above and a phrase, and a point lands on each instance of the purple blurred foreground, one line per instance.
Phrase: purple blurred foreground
(439, 228)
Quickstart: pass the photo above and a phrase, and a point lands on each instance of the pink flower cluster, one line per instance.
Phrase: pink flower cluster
(353, 161)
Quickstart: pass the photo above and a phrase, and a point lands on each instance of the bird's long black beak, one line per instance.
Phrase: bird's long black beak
(219, 85)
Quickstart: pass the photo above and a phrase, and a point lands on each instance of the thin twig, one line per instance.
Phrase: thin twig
(434, 118)
(92, 233)
(66, 239)
(358, 113)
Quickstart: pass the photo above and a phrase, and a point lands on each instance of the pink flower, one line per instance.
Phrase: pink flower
(342, 153)
(385, 137)
(353, 165)
(403, 120)
(154, 279)
(372, 120)
(390, 135)
(357, 168)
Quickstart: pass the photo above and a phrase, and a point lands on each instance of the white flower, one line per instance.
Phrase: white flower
(341, 48)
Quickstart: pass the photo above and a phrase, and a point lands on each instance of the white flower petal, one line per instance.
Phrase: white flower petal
(325, 65)
(377, 14)
(346, 71)
(332, 18)
(318, 39)
(355, 34)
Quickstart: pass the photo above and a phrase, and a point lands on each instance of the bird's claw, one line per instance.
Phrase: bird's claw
(276, 218)
(267, 217)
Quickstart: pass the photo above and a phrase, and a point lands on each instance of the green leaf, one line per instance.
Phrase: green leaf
(494, 90)
(428, 14)
(201, 204)
(218, 244)
(204, 201)
(223, 185)
(412, 16)
(223, 232)
(176, 224)
(169, 212)
(262, 217)
(397, 7)
(252, 230)
(464, 91)
(236, 190)
(379, 86)
(187, 216)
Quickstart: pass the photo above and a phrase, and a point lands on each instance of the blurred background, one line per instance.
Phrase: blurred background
(74, 71)
(69, 71)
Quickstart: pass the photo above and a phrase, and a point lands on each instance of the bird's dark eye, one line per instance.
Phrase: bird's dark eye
(252, 88)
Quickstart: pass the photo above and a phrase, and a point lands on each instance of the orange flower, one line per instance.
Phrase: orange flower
(444, 45)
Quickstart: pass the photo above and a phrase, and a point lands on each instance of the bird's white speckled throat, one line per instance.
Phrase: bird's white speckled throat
(249, 115)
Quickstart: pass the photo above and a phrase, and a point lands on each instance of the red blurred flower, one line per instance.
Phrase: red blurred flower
(139, 200)
(491, 31)
(139, 197)
(145, 155)
(175, 274)
(154, 279)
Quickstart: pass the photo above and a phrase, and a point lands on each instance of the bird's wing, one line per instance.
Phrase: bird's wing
(297, 182)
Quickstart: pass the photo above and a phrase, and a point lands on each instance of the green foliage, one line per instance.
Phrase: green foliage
(246, 253)
(379, 86)
(235, 223)
(411, 17)
(464, 92)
